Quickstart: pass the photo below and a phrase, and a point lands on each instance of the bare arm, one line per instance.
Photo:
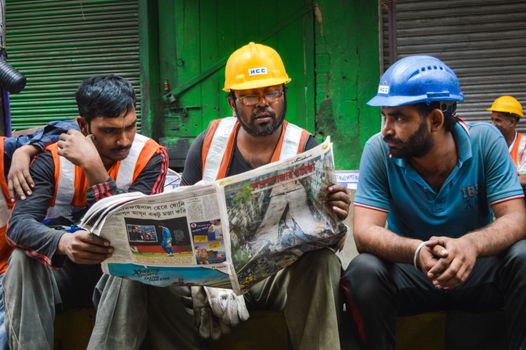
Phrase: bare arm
(19, 180)
(372, 237)
(508, 228)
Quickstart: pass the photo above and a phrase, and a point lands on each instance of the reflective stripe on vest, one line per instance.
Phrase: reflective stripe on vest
(291, 141)
(220, 149)
(127, 167)
(67, 182)
(217, 148)
(65, 189)
(517, 150)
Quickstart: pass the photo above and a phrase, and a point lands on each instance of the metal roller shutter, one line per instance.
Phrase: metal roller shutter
(483, 41)
(56, 44)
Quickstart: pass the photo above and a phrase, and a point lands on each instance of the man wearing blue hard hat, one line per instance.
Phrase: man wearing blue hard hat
(439, 218)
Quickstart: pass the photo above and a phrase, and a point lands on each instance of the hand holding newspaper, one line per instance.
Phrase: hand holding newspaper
(230, 233)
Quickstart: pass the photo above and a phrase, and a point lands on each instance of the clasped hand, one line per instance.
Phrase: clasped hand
(447, 262)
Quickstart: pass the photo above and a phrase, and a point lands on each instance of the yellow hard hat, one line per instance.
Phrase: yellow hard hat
(507, 104)
(254, 66)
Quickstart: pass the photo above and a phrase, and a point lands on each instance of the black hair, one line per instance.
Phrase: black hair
(107, 96)
(512, 116)
(449, 110)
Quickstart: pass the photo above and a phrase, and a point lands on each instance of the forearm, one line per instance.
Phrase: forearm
(95, 171)
(149, 181)
(26, 233)
(385, 244)
(500, 235)
(29, 150)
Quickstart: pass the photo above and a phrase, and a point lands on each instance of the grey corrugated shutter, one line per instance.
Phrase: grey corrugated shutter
(57, 44)
(483, 41)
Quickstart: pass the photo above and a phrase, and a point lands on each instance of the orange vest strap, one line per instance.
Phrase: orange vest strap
(225, 162)
(515, 150)
(277, 151)
(148, 151)
(53, 148)
(303, 141)
(208, 141)
(3, 181)
(5, 249)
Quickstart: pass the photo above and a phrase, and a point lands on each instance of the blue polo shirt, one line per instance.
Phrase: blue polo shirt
(483, 176)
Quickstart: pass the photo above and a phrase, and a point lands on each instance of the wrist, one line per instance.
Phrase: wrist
(417, 254)
(28, 150)
(472, 242)
(91, 163)
(62, 244)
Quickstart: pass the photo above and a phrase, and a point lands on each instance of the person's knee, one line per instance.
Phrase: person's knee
(19, 263)
(516, 257)
(364, 276)
(17, 258)
(322, 261)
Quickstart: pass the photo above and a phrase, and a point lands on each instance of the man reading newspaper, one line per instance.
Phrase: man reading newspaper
(306, 291)
(52, 268)
(258, 135)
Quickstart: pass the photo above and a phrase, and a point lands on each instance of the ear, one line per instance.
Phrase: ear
(437, 119)
(83, 125)
(231, 104)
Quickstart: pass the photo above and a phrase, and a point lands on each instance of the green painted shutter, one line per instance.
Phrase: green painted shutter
(57, 44)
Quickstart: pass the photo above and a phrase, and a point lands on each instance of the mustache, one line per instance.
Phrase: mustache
(118, 149)
(392, 139)
(263, 112)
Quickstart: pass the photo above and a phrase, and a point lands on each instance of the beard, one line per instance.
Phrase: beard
(418, 144)
(262, 129)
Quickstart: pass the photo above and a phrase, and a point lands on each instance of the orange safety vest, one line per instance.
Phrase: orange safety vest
(71, 183)
(5, 211)
(517, 149)
(218, 146)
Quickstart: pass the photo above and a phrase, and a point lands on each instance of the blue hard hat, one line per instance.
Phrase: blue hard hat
(416, 79)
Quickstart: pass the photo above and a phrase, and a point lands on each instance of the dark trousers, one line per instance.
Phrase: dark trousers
(376, 292)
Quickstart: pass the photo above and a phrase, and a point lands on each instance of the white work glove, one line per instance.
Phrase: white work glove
(209, 326)
(227, 306)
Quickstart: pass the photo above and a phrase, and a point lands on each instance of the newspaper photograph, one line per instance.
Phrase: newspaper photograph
(278, 212)
(230, 233)
(172, 237)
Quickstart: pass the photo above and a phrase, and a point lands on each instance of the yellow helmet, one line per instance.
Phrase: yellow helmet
(254, 66)
(507, 104)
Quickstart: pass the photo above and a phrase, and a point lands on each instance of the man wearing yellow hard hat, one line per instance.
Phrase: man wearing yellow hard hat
(307, 291)
(258, 134)
(506, 112)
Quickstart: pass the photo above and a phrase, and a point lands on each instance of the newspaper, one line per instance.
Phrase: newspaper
(230, 233)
